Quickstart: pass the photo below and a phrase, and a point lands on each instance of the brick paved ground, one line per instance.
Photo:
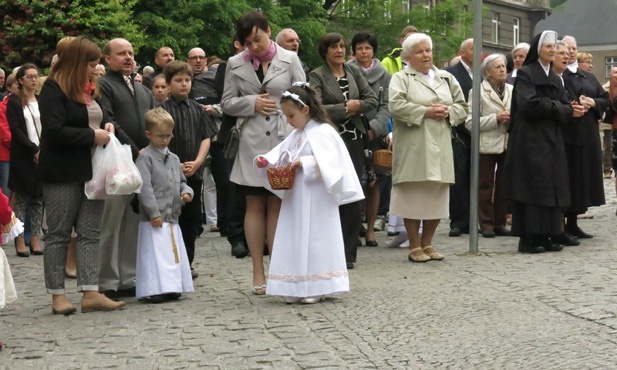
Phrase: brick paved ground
(499, 309)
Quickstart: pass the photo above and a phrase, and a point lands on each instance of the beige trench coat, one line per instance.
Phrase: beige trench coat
(422, 148)
(493, 136)
(259, 133)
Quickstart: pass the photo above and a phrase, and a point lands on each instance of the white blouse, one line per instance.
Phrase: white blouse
(33, 122)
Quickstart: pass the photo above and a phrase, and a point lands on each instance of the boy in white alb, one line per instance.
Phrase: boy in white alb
(163, 270)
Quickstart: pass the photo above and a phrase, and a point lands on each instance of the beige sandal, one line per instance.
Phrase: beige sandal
(421, 258)
(433, 255)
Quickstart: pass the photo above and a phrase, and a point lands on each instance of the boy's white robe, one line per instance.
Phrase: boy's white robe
(308, 256)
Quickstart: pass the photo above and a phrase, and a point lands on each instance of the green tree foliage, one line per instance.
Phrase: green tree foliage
(448, 23)
(30, 29)
(210, 24)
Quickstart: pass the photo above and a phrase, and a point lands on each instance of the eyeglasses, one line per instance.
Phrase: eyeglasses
(164, 137)
(32, 78)
(294, 40)
(197, 57)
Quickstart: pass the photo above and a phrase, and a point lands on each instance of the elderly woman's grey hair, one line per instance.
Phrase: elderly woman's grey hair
(412, 40)
(521, 46)
(488, 62)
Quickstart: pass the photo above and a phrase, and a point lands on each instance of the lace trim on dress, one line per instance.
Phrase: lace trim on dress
(313, 277)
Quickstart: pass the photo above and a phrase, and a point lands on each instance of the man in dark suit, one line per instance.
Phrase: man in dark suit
(461, 144)
(125, 102)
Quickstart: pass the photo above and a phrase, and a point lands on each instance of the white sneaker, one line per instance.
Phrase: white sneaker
(398, 240)
(404, 245)
(380, 224)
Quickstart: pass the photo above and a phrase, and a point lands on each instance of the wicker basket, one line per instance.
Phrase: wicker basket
(282, 177)
(382, 160)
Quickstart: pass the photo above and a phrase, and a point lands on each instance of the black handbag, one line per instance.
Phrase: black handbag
(232, 144)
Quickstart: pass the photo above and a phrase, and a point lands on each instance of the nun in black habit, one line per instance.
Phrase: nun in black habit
(535, 171)
(583, 148)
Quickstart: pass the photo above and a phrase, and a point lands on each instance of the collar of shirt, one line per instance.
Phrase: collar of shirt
(573, 67)
(467, 69)
(430, 76)
(177, 102)
(514, 73)
(545, 68)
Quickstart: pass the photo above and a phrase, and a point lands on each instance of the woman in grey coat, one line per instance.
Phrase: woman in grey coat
(364, 47)
(255, 80)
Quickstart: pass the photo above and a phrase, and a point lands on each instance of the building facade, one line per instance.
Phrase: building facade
(508, 22)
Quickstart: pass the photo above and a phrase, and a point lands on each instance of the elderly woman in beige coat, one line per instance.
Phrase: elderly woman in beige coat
(425, 103)
(495, 99)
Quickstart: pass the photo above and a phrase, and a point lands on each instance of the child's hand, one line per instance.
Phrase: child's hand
(261, 162)
(186, 197)
(157, 222)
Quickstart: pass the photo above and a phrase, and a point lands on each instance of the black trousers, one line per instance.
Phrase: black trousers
(190, 218)
(351, 214)
(459, 191)
(230, 204)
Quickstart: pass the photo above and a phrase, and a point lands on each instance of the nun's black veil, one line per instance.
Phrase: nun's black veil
(532, 54)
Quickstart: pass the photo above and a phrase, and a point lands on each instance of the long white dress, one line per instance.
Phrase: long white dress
(308, 255)
(157, 269)
(8, 293)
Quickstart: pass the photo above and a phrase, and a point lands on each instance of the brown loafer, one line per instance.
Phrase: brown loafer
(62, 306)
(100, 303)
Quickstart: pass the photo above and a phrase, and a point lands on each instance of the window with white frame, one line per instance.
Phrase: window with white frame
(495, 28)
(516, 23)
(610, 63)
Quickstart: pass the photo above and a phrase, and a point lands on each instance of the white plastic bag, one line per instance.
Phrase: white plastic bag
(113, 172)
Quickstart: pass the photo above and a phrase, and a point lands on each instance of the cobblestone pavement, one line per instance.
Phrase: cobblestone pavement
(499, 309)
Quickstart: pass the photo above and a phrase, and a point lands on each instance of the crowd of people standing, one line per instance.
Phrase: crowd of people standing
(541, 162)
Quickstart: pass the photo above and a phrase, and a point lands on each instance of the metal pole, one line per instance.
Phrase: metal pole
(475, 127)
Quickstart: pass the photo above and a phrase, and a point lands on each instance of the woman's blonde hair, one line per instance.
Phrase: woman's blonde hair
(582, 56)
(71, 71)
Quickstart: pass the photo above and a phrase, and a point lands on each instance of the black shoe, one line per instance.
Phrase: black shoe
(565, 239)
(124, 293)
(156, 299)
(502, 231)
(549, 246)
(239, 249)
(173, 296)
(393, 233)
(372, 243)
(455, 231)
(194, 274)
(488, 233)
(580, 233)
(111, 294)
(526, 245)
(22, 254)
(350, 265)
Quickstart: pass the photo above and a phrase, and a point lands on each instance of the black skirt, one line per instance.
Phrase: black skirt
(532, 219)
